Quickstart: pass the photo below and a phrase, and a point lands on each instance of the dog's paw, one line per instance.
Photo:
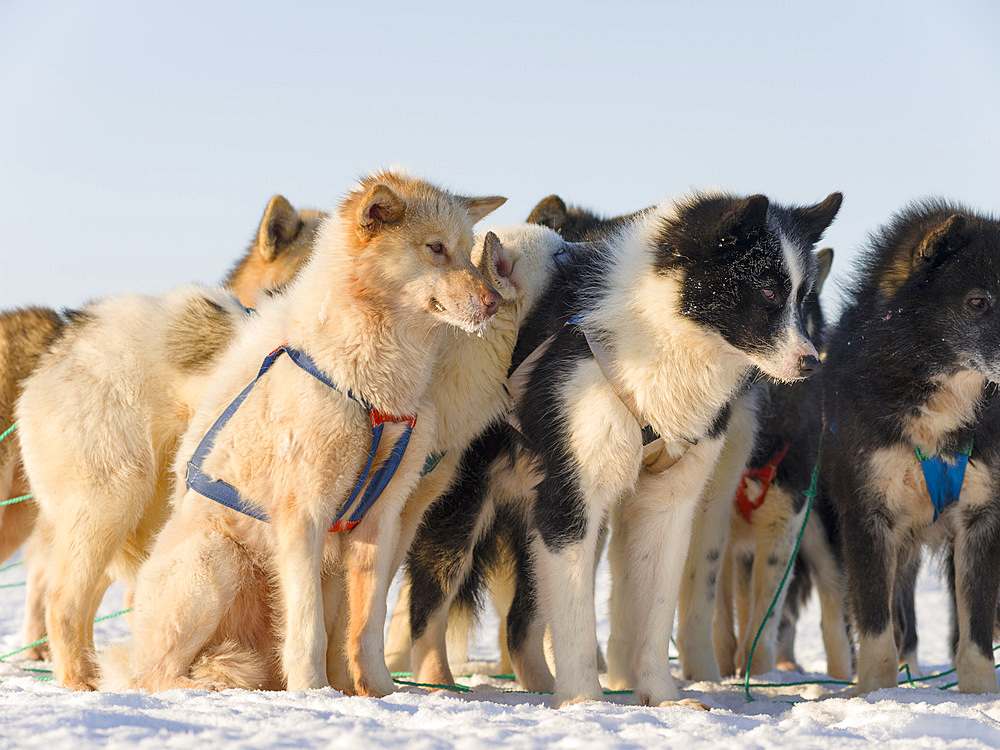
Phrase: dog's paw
(37, 653)
(689, 702)
(80, 684)
(788, 666)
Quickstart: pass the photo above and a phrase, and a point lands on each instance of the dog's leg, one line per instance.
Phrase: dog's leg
(977, 580)
(397, 640)
(870, 555)
(723, 626)
(298, 555)
(369, 562)
(439, 563)
(696, 607)
(566, 593)
(661, 513)
(620, 674)
(778, 529)
(428, 489)
(743, 585)
(16, 521)
(36, 553)
(906, 615)
(830, 590)
(77, 580)
(525, 627)
(335, 615)
(502, 590)
(183, 591)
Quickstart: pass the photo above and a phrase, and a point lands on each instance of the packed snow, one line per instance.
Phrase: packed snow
(35, 712)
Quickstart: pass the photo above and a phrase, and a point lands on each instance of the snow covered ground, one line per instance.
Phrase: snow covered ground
(36, 713)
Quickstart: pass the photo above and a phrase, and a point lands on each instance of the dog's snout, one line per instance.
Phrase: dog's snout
(490, 300)
(809, 365)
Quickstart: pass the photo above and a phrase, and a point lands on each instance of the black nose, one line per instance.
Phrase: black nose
(809, 365)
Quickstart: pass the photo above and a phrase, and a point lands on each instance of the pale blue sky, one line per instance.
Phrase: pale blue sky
(139, 144)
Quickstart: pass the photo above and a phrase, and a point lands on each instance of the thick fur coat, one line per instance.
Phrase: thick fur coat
(100, 419)
(913, 365)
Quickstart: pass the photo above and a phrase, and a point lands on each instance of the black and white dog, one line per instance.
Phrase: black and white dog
(647, 340)
(912, 425)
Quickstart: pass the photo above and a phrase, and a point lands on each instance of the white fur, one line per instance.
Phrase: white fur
(680, 375)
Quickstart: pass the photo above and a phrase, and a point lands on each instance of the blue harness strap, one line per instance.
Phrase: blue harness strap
(224, 493)
(943, 479)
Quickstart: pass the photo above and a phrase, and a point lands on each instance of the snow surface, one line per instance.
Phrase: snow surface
(36, 713)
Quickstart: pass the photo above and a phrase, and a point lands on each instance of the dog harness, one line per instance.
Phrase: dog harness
(765, 475)
(655, 457)
(944, 479)
(226, 494)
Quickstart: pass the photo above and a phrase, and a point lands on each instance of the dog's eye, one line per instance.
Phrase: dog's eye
(436, 247)
(770, 296)
(978, 304)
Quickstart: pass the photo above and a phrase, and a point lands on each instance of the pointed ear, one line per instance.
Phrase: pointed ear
(550, 212)
(940, 239)
(280, 225)
(748, 215)
(815, 219)
(481, 207)
(496, 265)
(380, 208)
(824, 261)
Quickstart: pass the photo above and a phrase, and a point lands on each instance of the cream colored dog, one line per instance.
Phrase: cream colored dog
(100, 419)
(389, 269)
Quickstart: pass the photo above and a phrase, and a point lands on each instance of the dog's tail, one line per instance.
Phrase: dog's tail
(230, 665)
(222, 666)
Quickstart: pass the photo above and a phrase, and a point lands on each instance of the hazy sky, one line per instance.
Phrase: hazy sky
(139, 144)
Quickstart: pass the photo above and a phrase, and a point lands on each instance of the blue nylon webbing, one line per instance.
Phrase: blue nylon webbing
(224, 493)
(944, 480)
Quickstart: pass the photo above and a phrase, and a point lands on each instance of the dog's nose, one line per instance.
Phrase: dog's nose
(809, 365)
(490, 300)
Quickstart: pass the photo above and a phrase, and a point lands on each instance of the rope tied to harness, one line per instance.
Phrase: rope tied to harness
(373, 482)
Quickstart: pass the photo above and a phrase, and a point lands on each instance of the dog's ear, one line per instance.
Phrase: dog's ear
(496, 265)
(280, 225)
(824, 261)
(480, 207)
(550, 212)
(814, 220)
(381, 207)
(745, 218)
(941, 238)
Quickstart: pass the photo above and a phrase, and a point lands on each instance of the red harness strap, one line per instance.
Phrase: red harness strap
(765, 475)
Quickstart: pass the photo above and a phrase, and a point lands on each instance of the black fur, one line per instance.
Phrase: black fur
(558, 512)
(924, 306)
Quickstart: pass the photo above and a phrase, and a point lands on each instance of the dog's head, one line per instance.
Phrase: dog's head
(280, 248)
(412, 246)
(745, 267)
(940, 279)
(518, 260)
(573, 224)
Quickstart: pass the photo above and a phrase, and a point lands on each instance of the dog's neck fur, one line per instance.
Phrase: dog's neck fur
(357, 331)
(953, 404)
(467, 388)
(680, 374)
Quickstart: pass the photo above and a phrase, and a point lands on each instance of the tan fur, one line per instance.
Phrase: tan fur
(368, 309)
(101, 417)
(768, 540)
(698, 598)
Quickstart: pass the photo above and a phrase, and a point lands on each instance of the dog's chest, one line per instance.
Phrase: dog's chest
(898, 480)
